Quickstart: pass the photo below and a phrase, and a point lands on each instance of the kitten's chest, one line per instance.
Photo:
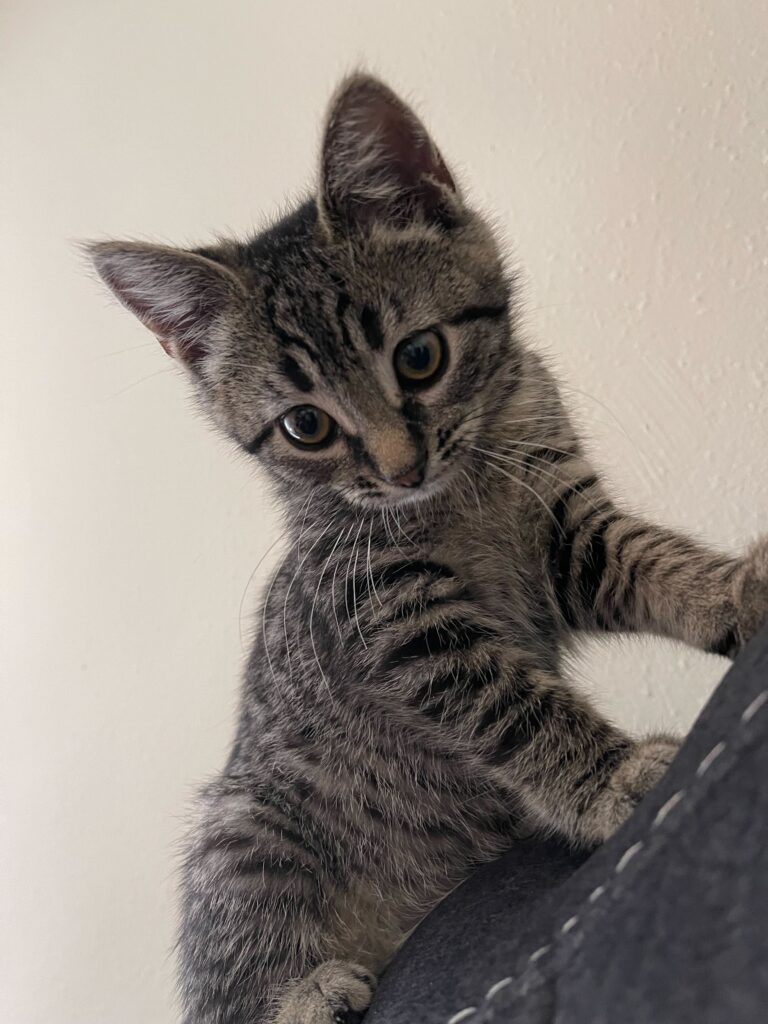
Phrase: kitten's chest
(426, 812)
(503, 570)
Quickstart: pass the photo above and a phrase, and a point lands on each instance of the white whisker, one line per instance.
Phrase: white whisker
(312, 614)
(468, 477)
(266, 600)
(370, 569)
(264, 624)
(247, 587)
(333, 587)
(546, 475)
(517, 480)
(354, 588)
(395, 513)
(290, 587)
(544, 446)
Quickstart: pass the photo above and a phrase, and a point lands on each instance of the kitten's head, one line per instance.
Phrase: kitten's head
(362, 342)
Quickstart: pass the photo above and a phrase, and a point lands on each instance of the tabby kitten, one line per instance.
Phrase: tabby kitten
(404, 712)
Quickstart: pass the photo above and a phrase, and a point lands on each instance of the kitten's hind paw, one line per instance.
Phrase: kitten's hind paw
(752, 593)
(336, 992)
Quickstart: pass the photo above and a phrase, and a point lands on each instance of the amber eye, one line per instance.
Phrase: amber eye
(308, 427)
(419, 359)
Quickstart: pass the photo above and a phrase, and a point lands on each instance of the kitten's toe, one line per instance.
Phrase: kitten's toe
(752, 592)
(336, 992)
(637, 775)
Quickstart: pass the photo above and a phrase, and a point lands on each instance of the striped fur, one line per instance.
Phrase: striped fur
(405, 715)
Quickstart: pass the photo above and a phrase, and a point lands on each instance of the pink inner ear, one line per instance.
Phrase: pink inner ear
(189, 352)
(176, 294)
(405, 141)
(379, 162)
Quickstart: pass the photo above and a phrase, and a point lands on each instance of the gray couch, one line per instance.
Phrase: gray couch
(665, 924)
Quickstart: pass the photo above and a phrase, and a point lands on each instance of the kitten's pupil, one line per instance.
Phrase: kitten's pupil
(419, 358)
(307, 421)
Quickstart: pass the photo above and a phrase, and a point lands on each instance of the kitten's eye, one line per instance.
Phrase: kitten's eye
(419, 359)
(308, 427)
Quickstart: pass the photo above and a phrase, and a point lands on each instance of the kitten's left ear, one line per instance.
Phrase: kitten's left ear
(379, 164)
(180, 296)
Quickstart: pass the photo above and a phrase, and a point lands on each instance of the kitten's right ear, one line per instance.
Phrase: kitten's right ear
(379, 165)
(178, 295)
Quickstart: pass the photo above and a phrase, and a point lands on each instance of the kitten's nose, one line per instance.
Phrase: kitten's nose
(396, 456)
(410, 478)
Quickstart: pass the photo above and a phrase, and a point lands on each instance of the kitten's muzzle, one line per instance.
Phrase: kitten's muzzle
(396, 457)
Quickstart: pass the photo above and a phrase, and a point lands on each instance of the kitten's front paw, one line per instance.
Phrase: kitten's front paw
(636, 776)
(752, 593)
(336, 992)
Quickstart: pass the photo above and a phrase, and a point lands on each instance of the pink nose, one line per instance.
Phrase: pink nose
(411, 478)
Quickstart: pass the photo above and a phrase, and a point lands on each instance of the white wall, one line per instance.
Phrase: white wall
(623, 147)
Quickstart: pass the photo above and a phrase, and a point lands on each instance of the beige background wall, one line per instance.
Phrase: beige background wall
(623, 148)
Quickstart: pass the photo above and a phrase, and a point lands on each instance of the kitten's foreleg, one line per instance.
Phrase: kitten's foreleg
(608, 797)
(446, 669)
(751, 592)
(617, 572)
(579, 775)
(256, 927)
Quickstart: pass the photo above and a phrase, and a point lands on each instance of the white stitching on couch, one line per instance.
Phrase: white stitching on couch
(714, 753)
(542, 951)
(670, 805)
(627, 856)
(462, 1014)
(706, 762)
(497, 987)
(755, 706)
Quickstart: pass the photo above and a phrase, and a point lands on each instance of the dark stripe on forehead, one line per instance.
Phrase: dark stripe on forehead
(290, 339)
(343, 302)
(283, 336)
(295, 374)
(470, 313)
(371, 324)
(259, 440)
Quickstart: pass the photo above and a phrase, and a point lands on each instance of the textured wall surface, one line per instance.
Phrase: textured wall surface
(623, 149)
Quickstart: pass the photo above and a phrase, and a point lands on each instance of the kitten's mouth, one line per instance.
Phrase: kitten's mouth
(436, 479)
(390, 496)
(432, 485)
